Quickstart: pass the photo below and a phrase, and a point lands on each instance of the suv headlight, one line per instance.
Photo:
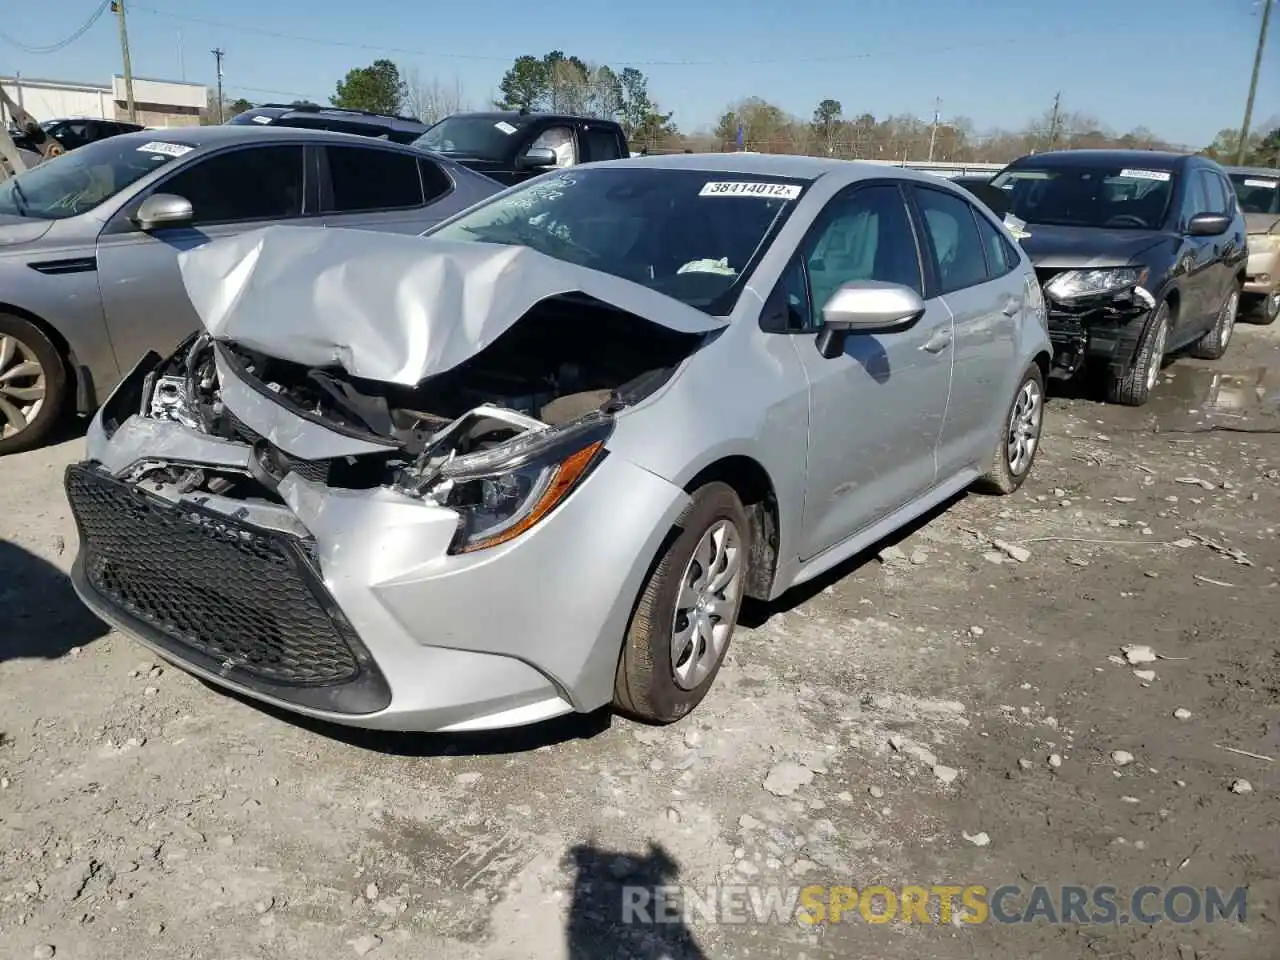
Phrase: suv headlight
(1263, 242)
(1077, 284)
(500, 493)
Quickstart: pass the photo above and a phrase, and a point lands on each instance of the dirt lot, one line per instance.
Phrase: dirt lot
(868, 731)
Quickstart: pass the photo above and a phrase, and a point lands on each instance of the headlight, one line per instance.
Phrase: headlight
(1263, 242)
(1075, 284)
(500, 493)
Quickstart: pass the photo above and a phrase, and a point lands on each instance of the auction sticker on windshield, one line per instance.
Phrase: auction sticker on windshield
(168, 149)
(505, 127)
(1162, 175)
(748, 188)
(1265, 184)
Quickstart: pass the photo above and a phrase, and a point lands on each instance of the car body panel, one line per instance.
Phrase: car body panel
(532, 627)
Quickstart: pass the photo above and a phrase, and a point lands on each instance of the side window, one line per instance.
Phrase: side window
(372, 180)
(601, 144)
(1001, 259)
(435, 182)
(258, 183)
(1214, 194)
(559, 140)
(953, 235)
(862, 235)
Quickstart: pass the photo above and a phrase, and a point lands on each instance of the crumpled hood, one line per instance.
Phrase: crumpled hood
(389, 307)
(1075, 247)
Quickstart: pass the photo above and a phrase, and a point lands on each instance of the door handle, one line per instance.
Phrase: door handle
(937, 343)
(1011, 307)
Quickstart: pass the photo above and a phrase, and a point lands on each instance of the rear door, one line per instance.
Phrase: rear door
(373, 188)
(973, 266)
(241, 189)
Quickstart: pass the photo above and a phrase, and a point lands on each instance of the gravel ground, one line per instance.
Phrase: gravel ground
(869, 730)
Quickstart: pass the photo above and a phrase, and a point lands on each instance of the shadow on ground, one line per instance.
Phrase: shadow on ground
(40, 615)
(618, 909)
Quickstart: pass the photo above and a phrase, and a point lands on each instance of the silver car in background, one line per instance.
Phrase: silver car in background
(89, 242)
(532, 463)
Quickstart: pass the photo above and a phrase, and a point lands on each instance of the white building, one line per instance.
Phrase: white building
(158, 103)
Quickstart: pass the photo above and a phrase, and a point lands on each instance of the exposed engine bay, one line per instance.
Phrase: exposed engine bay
(491, 433)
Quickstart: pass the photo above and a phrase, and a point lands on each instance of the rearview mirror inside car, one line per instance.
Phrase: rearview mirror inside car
(536, 157)
(866, 306)
(1208, 224)
(163, 210)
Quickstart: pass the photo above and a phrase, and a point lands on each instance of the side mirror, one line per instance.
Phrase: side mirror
(866, 306)
(163, 210)
(1208, 224)
(537, 157)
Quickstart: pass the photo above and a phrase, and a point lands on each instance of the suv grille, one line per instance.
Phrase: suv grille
(244, 596)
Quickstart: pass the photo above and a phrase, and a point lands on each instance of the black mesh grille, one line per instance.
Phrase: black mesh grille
(241, 595)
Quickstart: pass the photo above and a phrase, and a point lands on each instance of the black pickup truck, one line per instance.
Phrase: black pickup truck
(512, 146)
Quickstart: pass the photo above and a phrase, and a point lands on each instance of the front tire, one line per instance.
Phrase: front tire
(1134, 388)
(1266, 310)
(1019, 437)
(33, 385)
(1214, 343)
(687, 611)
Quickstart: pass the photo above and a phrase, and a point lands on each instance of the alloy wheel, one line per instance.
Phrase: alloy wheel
(22, 386)
(1229, 311)
(1024, 427)
(710, 589)
(1156, 357)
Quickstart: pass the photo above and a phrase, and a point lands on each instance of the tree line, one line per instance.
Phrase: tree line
(566, 83)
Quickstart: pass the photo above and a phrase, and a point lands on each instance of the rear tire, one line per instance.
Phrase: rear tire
(681, 607)
(1019, 439)
(1134, 388)
(33, 385)
(1214, 343)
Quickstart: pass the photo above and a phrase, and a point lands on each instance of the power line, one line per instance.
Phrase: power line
(55, 47)
(438, 54)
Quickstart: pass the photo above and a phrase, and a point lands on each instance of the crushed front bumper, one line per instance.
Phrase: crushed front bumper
(346, 606)
(1104, 336)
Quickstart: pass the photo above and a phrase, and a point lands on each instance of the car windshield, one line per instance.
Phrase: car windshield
(480, 138)
(1120, 197)
(1257, 193)
(79, 180)
(690, 234)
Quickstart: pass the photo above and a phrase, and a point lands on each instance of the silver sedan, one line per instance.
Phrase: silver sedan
(89, 242)
(533, 463)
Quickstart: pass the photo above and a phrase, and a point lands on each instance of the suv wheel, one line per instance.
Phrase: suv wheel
(1214, 343)
(1266, 309)
(32, 385)
(688, 608)
(1134, 388)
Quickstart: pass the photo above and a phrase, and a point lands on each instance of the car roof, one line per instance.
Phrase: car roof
(1259, 171)
(793, 166)
(1147, 159)
(496, 115)
(222, 134)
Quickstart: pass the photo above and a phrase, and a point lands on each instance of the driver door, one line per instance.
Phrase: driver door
(143, 297)
(875, 411)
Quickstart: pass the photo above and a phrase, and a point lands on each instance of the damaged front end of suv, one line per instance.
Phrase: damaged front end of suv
(1095, 313)
(310, 510)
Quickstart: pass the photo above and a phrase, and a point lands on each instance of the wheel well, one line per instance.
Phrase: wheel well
(1043, 360)
(1173, 299)
(56, 338)
(754, 488)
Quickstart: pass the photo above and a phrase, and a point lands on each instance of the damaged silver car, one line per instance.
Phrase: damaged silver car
(532, 463)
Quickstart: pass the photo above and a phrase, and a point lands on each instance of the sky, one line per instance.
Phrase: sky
(1179, 67)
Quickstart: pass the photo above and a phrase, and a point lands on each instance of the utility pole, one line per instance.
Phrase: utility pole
(933, 134)
(218, 54)
(1242, 147)
(1055, 119)
(117, 7)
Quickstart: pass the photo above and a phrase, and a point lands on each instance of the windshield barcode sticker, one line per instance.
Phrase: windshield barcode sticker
(748, 188)
(168, 149)
(1265, 184)
(1162, 175)
(505, 127)
(261, 119)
